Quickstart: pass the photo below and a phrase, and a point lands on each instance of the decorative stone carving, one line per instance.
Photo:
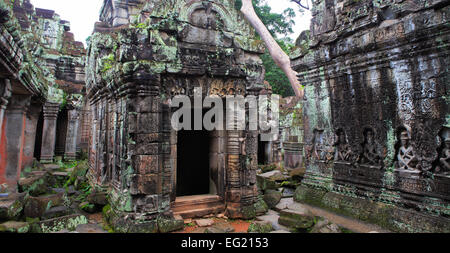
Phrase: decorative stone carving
(370, 155)
(343, 152)
(443, 166)
(5, 95)
(406, 159)
(318, 149)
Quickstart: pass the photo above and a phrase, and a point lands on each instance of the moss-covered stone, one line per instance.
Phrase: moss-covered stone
(261, 207)
(272, 198)
(15, 227)
(69, 222)
(261, 227)
(296, 219)
(166, 225)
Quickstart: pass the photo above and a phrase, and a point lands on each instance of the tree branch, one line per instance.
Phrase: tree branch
(299, 2)
(279, 56)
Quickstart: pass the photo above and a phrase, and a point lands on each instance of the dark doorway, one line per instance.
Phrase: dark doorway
(38, 142)
(61, 131)
(193, 172)
(263, 158)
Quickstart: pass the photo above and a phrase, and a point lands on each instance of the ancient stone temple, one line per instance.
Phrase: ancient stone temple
(141, 55)
(41, 88)
(376, 112)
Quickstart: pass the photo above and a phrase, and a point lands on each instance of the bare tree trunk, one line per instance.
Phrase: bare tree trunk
(279, 56)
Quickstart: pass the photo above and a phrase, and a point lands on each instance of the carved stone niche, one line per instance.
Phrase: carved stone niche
(407, 163)
(371, 156)
(443, 161)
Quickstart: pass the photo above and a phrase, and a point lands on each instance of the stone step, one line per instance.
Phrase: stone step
(198, 206)
(51, 167)
(184, 204)
(202, 212)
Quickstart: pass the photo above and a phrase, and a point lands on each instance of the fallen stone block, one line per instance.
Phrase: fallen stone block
(261, 227)
(69, 222)
(272, 198)
(273, 218)
(220, 228)
(205, 222)
(11, 206)
(90, 229)
(15, 227)
(300, 218)
(284, 204)
(34, 185)
(261, 207)
(55, 212)
(98, 198)
(269, 180)
(324, 226)
(35, 207)
(288, 192)
(166, 225)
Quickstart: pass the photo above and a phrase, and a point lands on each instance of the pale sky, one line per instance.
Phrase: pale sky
(82, 14)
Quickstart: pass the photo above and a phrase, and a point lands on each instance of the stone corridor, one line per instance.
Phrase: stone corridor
(87, 144)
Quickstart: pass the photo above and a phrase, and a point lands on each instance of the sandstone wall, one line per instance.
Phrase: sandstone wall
(141, 56)
(377, 110)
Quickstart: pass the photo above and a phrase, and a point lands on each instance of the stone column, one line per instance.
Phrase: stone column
(49, 132)
(72, 135)
(5, 95)
(15, 137)
(31, 120)
(293, 154)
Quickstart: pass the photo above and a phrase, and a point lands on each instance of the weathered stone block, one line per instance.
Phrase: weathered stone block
(35, 207)
(145, 184)
(55, 212)
(272, 198)
(269, 180)
(149, 123)
(300, 218)
(262, 227)
(15, 227)
(10, 208)
(70, 222)
(35, 185)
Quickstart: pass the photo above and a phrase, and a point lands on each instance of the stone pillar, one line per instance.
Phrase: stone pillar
(293, 154)
(5, 95)
(49, 132)
(72, 135)
(32, 117)
(15, 137)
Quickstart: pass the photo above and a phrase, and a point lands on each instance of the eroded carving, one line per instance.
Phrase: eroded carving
(371, 155)
(343, 152)
(406, 159)
(444, 155)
